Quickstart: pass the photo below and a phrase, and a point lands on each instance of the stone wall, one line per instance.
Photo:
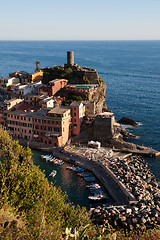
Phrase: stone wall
(90, 108)
(105, 126)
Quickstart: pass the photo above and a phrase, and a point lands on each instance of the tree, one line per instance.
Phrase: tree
(37, 65)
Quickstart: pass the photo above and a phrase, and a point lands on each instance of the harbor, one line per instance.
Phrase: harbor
(133, 195)
(70, 182)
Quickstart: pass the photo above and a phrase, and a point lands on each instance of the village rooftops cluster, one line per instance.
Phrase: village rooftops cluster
(36, 111)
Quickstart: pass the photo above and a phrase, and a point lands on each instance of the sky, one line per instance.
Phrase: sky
(80, 20)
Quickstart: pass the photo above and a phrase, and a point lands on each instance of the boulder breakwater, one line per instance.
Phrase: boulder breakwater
(134, 173)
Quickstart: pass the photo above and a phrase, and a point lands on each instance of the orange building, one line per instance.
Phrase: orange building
(77, 113)
(36, 76)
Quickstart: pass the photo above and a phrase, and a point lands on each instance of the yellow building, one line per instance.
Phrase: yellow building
(36, 76)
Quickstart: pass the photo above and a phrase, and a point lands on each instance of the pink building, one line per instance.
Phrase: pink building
(56, 85)
(51, 127)
(20, 124)
(77, 112)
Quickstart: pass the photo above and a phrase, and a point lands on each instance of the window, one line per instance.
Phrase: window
(48, 122)
(29, 131)
(57, 122)
(52, 122)
(44, 121)
(75, 125)
(44, 127)
(74, 114)
(74, 120)
(48, 128)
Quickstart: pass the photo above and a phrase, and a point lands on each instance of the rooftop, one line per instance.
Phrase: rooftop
(75, 104)
(59, 110)
(57, 80)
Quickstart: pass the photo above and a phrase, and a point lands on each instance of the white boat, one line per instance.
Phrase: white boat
(97, 197)
(47, 158)
(58, 162)
(71, 168)
(53, 173)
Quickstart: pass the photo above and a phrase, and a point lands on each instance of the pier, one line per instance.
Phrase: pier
(114, 187)
(139, 150)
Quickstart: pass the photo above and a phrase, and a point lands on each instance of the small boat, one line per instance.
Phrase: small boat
(71, 168)
(53, 173)
(79, 169)
(87, 174)
(49, 158)
(97, 197)
(89, 179)
(94, 185)
(58, 162)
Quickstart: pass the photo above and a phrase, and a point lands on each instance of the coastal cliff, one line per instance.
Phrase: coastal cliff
(94, 99)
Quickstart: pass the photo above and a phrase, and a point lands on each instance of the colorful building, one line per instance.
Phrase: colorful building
(36, 76)
(51, 128)
(56, 85)
(77, 112)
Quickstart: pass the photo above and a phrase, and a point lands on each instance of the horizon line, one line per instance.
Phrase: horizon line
(80, 40)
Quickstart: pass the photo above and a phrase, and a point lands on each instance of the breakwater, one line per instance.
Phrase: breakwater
(133, 171)
(128, 180)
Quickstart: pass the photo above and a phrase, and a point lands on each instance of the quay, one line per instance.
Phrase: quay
(76, 156)
(114, 187)
(143, 151)
(94, 160)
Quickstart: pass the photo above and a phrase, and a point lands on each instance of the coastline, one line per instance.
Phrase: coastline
(133, 209)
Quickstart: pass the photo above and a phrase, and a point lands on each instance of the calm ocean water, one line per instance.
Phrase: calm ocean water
(131, 70)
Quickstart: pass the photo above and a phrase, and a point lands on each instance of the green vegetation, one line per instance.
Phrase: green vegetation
(37, 65)
(71, 96)
(100, 80)
(31, 208)
(85, 80)
(56, 72)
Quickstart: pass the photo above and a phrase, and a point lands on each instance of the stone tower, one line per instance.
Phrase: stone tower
(70, 58)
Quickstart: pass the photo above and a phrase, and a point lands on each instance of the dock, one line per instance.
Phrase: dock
(143, 151)
(113, 186)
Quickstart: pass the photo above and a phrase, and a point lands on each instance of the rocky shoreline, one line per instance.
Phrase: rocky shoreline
(134, 173)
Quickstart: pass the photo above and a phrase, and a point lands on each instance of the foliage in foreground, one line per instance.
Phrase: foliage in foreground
(31, 208)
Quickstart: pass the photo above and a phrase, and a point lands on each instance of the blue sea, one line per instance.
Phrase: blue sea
(131, 70)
